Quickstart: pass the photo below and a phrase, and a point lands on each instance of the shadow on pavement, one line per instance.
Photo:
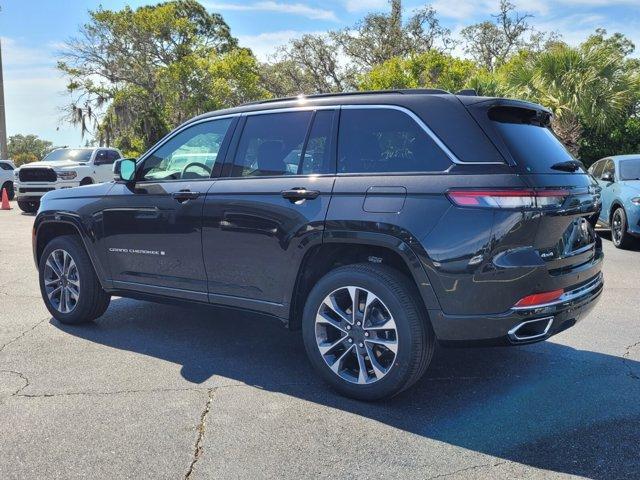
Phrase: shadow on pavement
(545, 405)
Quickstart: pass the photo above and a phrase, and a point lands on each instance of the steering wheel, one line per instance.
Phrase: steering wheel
(195, 164)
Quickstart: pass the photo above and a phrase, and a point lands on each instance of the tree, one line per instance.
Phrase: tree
(309, 64)
(491, 43)
(140, 72)
(590, 86)
(431, 69)
(27, 148)
(381, 37)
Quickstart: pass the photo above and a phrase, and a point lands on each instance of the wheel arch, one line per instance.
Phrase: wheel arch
(357, 247)
(617, 203)
(50, 226)
(87, 181)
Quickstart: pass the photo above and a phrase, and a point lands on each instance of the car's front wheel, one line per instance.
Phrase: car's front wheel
(365, 331)
(68, 284)
(28, 206)
(619, 234)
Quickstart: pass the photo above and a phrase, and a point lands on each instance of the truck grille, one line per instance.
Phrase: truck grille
(37, 175)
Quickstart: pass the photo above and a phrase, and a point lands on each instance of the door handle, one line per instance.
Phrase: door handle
(300, 194)
(185, 195)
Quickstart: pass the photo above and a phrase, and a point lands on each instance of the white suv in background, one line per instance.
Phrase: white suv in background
(62, 168)
(6, 177)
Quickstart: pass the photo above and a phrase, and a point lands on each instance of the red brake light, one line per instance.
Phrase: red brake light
(539, 298)
(508, 198)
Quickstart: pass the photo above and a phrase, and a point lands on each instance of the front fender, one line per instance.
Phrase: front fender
(50, 224)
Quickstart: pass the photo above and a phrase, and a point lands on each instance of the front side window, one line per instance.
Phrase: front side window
(191, 154)
(385, 141)
(112, 155)
(608, 168)
(5, 166)
(596, 169)
(271, 144)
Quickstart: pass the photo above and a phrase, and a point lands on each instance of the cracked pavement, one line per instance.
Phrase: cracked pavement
(153, 391)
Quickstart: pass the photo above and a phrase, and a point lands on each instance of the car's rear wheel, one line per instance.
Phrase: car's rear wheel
(68, 284)
(619, 234)
(365, 331)
(29, 206)
(8, 186)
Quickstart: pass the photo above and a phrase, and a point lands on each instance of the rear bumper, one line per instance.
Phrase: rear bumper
(502, 329)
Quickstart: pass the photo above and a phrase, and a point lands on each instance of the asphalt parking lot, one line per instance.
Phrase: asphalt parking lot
(157, 391)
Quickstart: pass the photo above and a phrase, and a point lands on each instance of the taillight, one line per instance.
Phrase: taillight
(508, 198)
(539, 299)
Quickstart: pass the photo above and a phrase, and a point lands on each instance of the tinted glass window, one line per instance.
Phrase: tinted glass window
(317, 153)
(5, 166)
(596, 169)
(630, 169)
(192, 153)
(101, 157)
(112, 155)
(385, 140)
(271, 144)
(532, 145)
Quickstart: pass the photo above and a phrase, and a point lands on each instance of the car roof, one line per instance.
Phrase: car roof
(401, 97)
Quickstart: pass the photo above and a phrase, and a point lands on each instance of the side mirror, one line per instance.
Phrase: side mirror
(607, 177)
(124, 169)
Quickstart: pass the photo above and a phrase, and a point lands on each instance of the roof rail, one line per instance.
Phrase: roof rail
(404, 91)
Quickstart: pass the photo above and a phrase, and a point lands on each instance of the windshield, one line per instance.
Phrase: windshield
(630, 169)
(73, 154)
(533, 145)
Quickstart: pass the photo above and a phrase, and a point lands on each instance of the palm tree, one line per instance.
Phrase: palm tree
(590, 85)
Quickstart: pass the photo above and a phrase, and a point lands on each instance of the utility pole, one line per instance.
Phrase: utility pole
(4, 154)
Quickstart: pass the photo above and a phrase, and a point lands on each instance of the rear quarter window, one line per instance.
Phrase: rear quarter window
(529, 139)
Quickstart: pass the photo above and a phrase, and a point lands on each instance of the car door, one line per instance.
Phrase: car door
(270, 209)
(152, 229)
(608, 187)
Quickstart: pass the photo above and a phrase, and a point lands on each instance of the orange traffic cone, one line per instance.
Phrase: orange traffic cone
(5, 200)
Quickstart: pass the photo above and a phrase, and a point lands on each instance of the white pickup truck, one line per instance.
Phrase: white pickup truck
(62, 168)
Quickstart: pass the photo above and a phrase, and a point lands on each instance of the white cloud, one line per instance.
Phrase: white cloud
(265, 44)
(477, 10)
(363, 5)
(277, 7)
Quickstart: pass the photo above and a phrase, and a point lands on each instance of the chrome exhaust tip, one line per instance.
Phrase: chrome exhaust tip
(530, 330)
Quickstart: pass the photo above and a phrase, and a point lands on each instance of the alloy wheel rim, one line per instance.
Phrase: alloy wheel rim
(356, 335)
(62, 281)
(617, 227)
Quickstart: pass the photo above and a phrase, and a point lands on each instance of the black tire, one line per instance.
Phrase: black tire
(619, 234)
(415, 337)
(86, 181)
(9, 187)
(29, 206)
(93, 300)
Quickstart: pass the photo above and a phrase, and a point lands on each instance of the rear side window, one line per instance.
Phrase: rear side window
(630, 169)
(271, 144)
(384, 141)
(530, 141)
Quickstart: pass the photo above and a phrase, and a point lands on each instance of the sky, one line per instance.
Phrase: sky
(32, 33)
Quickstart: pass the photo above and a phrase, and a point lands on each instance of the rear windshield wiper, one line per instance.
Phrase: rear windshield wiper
(568, 166)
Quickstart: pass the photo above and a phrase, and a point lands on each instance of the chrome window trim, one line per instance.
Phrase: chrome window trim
(337, 106)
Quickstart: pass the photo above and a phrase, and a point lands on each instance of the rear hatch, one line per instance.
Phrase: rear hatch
(565, 237)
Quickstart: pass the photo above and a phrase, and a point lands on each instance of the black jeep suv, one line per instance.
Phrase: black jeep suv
(380, 223)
